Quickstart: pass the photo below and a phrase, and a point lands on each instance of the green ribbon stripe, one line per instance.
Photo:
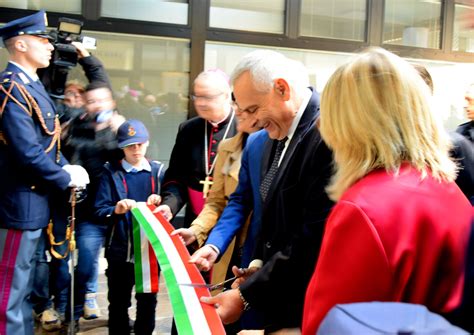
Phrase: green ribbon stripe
(138, 256)
(177, 303)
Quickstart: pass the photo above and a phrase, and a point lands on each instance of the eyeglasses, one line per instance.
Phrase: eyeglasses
(205, 97)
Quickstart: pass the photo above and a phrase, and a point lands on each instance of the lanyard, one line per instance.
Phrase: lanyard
(152, 180)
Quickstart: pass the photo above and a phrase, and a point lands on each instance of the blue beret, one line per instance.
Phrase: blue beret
(34, 24)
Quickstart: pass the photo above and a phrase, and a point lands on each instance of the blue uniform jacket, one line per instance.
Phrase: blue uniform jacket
(245, 199)
(28, 174)
(119, 243)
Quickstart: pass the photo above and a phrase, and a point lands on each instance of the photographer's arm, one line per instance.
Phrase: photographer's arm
(92, 66)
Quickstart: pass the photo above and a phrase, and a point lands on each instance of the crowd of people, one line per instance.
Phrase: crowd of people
(313, 201)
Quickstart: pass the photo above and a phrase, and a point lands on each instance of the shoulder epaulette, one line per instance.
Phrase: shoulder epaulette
(6, 77)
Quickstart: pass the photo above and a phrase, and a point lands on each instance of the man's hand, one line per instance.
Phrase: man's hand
(228, 304)
(123, 206)
(242, 274)
(186, 235)
(115, 122)
(81, 49)
(153, 199)
(204, 258)
(164, 210)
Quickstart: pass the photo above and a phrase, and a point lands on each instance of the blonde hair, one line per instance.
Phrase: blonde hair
(375, 113)
(75, 83)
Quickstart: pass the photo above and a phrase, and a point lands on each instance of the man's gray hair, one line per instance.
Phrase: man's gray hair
(265, 66)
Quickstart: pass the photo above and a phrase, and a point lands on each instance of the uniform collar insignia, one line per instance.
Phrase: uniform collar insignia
(23, 78)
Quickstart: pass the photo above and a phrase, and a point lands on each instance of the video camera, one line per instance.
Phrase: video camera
(64, 56)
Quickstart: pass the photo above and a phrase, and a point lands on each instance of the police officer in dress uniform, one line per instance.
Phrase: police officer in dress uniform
(32, 167)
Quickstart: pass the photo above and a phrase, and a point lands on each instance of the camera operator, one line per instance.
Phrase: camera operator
(73, 103)
(90, 141)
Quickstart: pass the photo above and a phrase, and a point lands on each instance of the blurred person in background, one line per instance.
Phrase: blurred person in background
(467, 129)
(91, 142)
(462, 150)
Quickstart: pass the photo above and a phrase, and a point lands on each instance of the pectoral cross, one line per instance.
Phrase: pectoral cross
(207, 185)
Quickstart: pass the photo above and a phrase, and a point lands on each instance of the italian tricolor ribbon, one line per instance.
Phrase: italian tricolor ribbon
(191, 316)
(146, 263)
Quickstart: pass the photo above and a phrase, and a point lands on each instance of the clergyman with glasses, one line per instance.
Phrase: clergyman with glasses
(189, 176)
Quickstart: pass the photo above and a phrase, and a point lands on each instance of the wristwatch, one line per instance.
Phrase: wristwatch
(245, 302)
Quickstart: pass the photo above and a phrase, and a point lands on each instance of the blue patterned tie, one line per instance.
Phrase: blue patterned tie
(267, 180)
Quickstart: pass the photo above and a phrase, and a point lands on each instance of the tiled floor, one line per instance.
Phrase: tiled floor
(99, 326)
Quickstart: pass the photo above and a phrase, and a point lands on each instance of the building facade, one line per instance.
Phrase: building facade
(153, 49)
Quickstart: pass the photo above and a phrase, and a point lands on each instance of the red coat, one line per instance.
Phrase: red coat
(392, 238)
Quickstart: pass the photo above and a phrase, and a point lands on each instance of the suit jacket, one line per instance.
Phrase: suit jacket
(463, 153)
(241, 203)
(392, 238)
(467, 130)
(293, 218)
(27, 173)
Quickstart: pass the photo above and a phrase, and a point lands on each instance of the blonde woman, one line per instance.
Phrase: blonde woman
(400, 228)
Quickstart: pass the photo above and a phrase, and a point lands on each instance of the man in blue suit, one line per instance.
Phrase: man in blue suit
(296, 166)
(243, 202)
(32, 168)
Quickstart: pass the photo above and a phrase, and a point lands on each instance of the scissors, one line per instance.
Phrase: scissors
(211, 287)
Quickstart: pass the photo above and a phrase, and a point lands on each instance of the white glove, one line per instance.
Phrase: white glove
(79, 175)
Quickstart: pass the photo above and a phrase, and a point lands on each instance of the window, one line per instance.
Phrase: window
(70, 6)
(341, 19)
(252, 15)
(167, 11)
(448, 87)
(463, 34)
(320, 64)
(415, 23)
(450, 83)
(150, 77)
